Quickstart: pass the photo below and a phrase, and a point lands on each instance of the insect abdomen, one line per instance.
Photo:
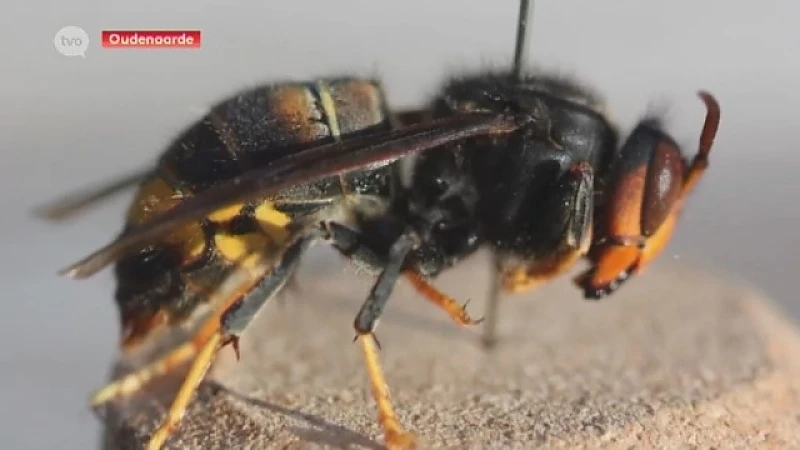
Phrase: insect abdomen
(266, 123)
(165, 283)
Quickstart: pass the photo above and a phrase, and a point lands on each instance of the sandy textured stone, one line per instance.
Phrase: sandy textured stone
(677, 359)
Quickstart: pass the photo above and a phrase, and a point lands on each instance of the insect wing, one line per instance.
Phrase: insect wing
(304, 167)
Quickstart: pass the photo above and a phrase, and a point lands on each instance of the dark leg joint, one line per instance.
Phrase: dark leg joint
(239, 316)
(367, 319)
(349, 243)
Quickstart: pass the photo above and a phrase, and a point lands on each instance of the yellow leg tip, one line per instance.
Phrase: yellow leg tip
(104, 395)
(118, 389)
(159, 438)
(134, 382)
(400, 440)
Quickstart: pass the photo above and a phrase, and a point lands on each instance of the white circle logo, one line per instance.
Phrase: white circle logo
(72, 41)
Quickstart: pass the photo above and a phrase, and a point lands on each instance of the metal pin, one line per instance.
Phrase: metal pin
(525, 17)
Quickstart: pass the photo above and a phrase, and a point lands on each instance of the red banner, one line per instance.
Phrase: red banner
(150, 39)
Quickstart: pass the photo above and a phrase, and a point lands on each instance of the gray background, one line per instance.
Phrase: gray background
(68, 121)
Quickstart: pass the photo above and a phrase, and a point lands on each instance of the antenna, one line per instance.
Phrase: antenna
(525, 16)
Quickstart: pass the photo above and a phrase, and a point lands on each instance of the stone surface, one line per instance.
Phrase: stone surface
(676, 359)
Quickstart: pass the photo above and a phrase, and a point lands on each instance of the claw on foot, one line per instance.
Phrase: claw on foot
(458, 313)
(466, 319)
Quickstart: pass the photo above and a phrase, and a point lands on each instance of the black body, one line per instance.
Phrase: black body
(513, 193)
(528, 166)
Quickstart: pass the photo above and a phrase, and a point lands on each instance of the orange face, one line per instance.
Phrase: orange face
(641, 211)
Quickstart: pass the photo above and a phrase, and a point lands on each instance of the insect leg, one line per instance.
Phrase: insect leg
(370, 312)
(196, 374)
(134, 382)
(349, 242)
(176, 358)
(394, 435)
(229, 326)
(570, 229)
(456, 312)
(237, 318)
(365, 323)
(653, 182)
